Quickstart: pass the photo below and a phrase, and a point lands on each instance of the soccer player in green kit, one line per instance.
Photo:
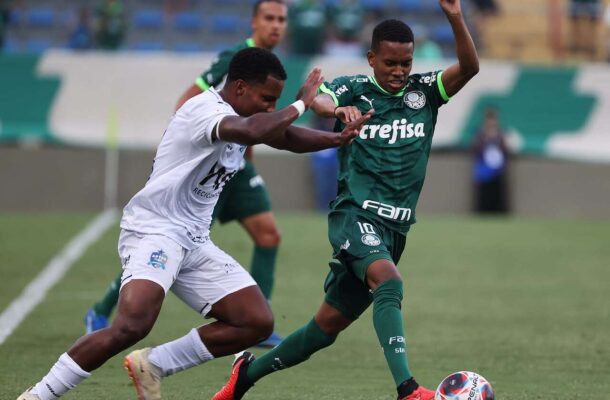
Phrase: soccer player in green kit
(380, 178)
(245, 197)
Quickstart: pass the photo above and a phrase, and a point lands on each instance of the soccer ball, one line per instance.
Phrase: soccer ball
(464, 385)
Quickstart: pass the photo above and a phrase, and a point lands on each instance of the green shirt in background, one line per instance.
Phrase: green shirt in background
(216, 74)
(307, 27)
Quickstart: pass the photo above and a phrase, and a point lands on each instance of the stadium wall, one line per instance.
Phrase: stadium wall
(72, 179)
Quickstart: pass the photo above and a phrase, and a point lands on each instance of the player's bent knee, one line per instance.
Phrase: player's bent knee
(268, 238)
(262, 324)
(129, 333)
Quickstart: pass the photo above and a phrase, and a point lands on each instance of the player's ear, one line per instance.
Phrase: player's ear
(370, 56)
(240, 87)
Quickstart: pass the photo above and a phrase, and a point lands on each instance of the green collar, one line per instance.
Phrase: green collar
(250, 42)
(372, 79)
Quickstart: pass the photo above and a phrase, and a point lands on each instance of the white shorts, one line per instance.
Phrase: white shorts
(199, 277)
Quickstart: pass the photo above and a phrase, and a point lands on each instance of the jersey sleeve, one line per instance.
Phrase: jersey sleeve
(206, 117)
(214, 75)
(431, 83)
(340, 89)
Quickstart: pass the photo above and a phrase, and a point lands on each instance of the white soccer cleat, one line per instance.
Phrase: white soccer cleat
(145, 376)
(28, 396)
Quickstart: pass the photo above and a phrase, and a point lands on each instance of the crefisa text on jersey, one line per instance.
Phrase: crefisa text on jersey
(397, 129)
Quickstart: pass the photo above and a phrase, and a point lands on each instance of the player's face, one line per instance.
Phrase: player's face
(392, 64)
(269, 24)
(259, 97)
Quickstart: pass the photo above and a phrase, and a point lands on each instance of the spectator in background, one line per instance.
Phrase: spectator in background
(483, 9)
(584, 21)
(111, 25)
(490, 166)
(307, 27)
(81, 35)
(346, 18)
(4, 16)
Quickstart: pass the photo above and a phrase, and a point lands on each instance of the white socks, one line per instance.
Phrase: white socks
(180, 354)
(64, 375)
(172, 357)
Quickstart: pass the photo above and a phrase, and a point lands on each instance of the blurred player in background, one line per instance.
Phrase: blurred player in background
(164, 241)
(380, 178)
(245, 197)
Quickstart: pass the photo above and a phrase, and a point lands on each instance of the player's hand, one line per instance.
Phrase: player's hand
(347, 114)
(309, 90)
(352, 129)
(451, 7)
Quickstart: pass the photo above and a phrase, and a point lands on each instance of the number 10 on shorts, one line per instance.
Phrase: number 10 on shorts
(365, 227)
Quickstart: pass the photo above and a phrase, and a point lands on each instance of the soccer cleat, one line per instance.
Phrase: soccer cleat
(145, 376)
(421, 393)
(28, 396)
(238, 383)
(271, 341)
(94, 322)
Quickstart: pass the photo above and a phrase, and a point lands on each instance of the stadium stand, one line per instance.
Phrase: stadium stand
(188, 21)
(148, 19)
(42, 17)
(211, 25)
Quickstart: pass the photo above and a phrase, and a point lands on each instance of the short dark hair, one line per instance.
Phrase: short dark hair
(391, 30)
(254, 65)
(257, 5)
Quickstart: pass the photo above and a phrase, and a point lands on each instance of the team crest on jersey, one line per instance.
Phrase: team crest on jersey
(370, 239)
(415, 100)
(158, 259)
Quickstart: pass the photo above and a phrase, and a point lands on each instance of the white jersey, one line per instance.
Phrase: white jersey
(189, 172)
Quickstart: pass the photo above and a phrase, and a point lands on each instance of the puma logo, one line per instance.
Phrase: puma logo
(363, 97)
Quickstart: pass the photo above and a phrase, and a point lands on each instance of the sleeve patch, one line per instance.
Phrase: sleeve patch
(324, 89)
(203, 85)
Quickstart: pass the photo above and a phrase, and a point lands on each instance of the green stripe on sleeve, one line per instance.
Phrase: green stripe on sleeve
(326, 90)
(441, 87)
(203, 85)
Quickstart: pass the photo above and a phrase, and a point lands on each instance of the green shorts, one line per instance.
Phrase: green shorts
(357, 242)
(243, 196)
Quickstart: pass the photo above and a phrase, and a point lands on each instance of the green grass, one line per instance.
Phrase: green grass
(523, 302)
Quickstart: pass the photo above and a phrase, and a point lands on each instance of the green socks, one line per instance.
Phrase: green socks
(388, 323)
(262, 268)
(294, 349)
(110, 299)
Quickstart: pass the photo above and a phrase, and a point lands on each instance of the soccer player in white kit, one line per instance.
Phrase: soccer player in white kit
(164, 242)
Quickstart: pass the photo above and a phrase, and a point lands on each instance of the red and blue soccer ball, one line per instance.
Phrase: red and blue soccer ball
(464, 385)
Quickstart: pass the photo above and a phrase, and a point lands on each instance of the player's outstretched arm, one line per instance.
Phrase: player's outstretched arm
(270, 127)
(456, 76)
(325, 106)
(304, 140)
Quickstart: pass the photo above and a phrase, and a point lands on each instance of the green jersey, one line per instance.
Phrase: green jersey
(382, 172)
(215, 75)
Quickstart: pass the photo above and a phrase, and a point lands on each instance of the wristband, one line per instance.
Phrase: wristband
(300, 106)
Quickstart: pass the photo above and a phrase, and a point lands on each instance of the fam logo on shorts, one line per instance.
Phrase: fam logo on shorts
(370, 239)
(415, 100)
(158, 259)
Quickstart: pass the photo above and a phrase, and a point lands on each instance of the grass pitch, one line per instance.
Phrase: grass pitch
(523, 302)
